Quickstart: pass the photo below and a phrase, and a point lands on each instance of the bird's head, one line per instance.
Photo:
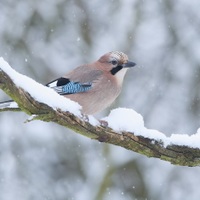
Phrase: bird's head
(116, 63)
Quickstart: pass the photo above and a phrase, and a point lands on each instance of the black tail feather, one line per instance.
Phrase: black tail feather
(7, 104)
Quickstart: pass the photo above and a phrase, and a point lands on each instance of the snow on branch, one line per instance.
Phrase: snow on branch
(123, 127)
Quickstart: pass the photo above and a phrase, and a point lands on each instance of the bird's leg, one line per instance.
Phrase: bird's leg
(103, 123)
(84, 117)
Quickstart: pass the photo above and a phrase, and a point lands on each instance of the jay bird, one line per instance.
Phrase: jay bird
(94, 86)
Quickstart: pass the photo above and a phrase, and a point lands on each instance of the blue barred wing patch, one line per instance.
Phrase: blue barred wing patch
(73, 87)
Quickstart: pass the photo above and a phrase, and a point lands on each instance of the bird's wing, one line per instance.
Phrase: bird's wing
(79, 80)
(69, 87)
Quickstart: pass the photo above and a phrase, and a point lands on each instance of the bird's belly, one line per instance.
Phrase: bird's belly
(93, 101)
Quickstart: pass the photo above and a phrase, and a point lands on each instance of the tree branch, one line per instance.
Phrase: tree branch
(176, 154)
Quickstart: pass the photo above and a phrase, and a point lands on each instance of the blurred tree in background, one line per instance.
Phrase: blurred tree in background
(45, 39)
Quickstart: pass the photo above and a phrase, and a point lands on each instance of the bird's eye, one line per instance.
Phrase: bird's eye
(114, 62)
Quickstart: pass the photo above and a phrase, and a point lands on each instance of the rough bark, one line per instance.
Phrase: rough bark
(177, 155)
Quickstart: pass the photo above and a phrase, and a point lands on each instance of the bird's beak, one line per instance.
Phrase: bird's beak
(128, 64)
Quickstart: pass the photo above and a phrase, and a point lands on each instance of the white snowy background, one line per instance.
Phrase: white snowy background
(45, 39)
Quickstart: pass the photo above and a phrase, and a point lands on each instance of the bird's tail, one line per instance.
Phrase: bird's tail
(8, 104)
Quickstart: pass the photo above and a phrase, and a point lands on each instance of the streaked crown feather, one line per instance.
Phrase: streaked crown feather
(119, 56)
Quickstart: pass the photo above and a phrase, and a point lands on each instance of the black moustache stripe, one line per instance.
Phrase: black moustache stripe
(114, 70)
